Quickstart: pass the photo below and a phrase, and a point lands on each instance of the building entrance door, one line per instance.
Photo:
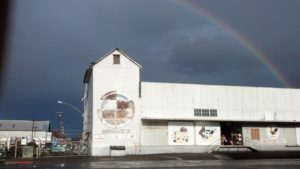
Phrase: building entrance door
(231, 133)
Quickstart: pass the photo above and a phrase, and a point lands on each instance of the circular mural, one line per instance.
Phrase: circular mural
(116, 110)
(272, 132)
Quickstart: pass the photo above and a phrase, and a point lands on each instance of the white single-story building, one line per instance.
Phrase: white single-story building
(122, 112)
(24, 131)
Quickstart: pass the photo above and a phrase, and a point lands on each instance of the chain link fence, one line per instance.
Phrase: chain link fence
(65, 147)
(60, 148)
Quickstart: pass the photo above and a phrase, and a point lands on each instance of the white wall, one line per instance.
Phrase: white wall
(269, 138)
(177, 101)
(154, 133)
(163, 133)
(88, 113)
(88, 106)
(298, 135)
(37, 135)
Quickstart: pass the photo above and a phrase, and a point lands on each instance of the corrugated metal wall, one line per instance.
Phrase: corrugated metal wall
(178, 101)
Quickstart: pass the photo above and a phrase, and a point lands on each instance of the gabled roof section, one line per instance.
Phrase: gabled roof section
(117, 49)
(89, 70)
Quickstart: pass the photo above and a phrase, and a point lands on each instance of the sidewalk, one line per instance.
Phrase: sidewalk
(263, 155)
(154, 157)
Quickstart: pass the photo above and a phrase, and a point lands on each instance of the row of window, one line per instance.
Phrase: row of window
(206, 112)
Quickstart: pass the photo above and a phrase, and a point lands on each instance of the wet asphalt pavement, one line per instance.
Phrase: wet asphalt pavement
(180, 164)
(272, 160)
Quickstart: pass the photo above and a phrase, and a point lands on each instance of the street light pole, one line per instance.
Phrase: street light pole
(75, 108)
(61, 102)
(83, 134)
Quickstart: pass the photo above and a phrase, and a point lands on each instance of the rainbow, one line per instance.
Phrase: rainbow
(260, 55)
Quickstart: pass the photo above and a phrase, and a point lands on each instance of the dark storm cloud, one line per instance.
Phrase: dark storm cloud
(271, 25)
(217, 59)
(53, 42)
(207, 56)
(58, 39)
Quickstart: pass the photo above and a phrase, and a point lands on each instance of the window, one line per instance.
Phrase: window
(206, 112)
(197, 112)
(213, 112)
(255, 134)
(116, 59)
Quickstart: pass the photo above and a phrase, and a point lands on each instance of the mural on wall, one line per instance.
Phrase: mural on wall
(273, 136)
(116, 110)
(272, 132)
(207, 133)
(181, 136)
(180, 133)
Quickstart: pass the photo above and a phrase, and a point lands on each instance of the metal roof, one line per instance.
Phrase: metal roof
(24, 125)
(117, 49)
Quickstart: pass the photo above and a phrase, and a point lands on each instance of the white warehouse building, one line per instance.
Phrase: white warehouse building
(149, 117)
(24, 131)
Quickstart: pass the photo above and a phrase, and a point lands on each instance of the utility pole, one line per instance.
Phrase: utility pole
(33, 130)
(60, 127)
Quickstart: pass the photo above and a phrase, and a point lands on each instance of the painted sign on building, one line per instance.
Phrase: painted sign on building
(272, 132)
(207, 133)
(273, 136)
(180, 133)
(116, 110)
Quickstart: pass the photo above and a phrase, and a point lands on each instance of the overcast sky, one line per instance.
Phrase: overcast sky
(52, 42)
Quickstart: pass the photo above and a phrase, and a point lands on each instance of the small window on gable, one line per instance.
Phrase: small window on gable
(116, 59)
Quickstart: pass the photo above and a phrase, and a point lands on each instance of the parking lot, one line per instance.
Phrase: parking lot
(200, 160)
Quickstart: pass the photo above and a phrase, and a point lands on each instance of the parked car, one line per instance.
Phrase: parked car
(61, 149)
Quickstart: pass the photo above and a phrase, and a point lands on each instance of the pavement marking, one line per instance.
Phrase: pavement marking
(17, 162)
